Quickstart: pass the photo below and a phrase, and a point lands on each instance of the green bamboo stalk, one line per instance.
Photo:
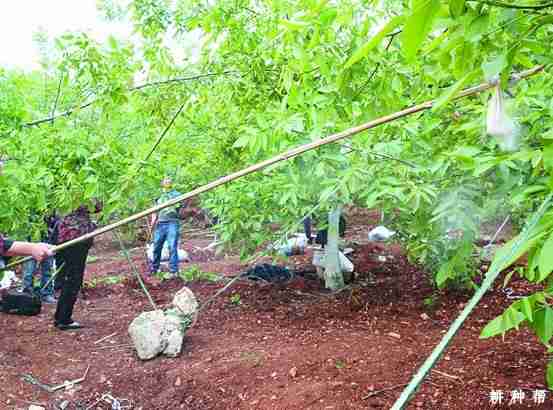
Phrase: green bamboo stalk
(491, 276)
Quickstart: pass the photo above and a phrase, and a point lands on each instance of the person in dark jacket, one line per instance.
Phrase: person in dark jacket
(72, 262)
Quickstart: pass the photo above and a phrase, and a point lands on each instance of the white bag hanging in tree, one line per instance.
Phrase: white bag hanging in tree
(499, 123)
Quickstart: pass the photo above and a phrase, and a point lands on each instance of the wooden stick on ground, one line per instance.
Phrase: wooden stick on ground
(374, 393)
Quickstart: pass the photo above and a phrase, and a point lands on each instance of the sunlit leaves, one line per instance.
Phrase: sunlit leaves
(456, 7)
(366, 48)
(418, 25)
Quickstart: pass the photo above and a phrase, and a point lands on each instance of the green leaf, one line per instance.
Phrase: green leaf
(294, 24)
(242, 141)
(526, 308)
(493, 68)
(452, 91)
(548, 157)
(508, 320)
(456, 8)
(545, 262)
(477, 28)
(444, 274)
(499, 263)
(543, 324)
(418, 25)
(366, 48)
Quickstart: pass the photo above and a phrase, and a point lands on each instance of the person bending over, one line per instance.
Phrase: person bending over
(72, 262)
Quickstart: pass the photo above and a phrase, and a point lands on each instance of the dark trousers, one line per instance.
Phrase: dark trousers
(322, 234)
(70, 279)
(307, 228)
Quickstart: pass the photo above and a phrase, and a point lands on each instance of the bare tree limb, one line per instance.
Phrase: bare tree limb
(139, 87)
(57, 98)
(161, 136)
(373, 73)
(514, 6)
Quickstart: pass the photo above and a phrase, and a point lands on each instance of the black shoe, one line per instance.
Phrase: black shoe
(70, 326)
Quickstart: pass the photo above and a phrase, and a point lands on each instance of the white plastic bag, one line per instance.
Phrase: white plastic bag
(499, 123)
(7, 279)
(294, 246)
(380, 233)
(183, 255)
(319, 261)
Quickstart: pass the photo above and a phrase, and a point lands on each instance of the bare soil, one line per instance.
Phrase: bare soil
(277, 346)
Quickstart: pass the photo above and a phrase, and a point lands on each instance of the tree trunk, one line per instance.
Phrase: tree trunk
(334, 279)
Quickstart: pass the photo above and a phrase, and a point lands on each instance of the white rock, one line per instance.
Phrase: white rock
(183, 255)
(35, 407)
(185, 302)
(148, 332)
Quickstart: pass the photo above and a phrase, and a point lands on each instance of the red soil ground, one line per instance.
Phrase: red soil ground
(286, 346)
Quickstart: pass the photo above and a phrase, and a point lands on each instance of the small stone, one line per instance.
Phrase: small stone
(424, 316)
(394, 335)
(35, 407)
(103, 379)
(185, 302)
(273, 397)
(178, 382)
(274, 374)
(293, 372)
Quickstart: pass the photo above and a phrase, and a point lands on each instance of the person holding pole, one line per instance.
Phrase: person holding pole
(38, 251)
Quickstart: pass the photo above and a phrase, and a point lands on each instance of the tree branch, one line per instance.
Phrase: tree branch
(139, 87)
(514, 6)
(57, 98)
(181, 79)
(145, 160)
(373, 73)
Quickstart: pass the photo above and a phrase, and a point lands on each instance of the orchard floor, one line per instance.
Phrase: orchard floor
(288, 346)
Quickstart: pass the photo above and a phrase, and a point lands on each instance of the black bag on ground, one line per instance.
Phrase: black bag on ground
(269, 273)
(20, 303)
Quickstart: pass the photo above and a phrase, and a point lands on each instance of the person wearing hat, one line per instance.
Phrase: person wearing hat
(166, 225)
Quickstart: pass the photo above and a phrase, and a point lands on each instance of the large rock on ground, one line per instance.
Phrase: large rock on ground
(185, 302)
(148, 334)
(158, 332)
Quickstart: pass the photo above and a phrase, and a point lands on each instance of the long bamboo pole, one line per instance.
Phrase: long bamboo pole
(283, 157)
